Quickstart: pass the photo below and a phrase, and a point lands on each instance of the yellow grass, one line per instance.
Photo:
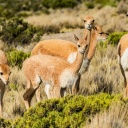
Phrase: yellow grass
(106, 17)
(115, 117)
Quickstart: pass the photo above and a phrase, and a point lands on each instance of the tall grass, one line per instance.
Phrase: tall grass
(115, 117)
(104, 73)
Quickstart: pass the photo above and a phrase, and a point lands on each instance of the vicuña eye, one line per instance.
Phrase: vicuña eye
(1, 73)
(78, 46)
(86, 46)
(10, 73)
(93, 21)
(101, 33)
(84, 21)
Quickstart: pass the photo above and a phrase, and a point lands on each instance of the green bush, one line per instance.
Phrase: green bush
(20, 8)
(5, 123)
(15, 31)
(9, 9)
(89, 5)
(92, 3)
(115, 37)
(16, 58)
(67, 112)
(106, 2)
(59, 3)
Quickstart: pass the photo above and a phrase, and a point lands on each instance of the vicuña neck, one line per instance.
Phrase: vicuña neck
(92, 46)
(88, 35)
(76, 65)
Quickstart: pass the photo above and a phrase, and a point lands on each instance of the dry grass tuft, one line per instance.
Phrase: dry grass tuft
(115, 117)
(17, 79)
(104, 73)
(108, 17)
(13, 104)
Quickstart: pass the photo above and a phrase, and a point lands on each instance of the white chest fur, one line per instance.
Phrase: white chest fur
(72, 57)
(124, 60)
(67, 79)
(37, 79)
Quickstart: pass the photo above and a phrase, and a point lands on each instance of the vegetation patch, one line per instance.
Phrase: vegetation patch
(59, 3)
(15, 31)
(5, 123)
(91, 4)
(16, 58)
(21, 8)
(10, 9)
(114, 38)
(67, 112)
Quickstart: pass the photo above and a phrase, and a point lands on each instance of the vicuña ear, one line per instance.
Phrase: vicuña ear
(76, 38)
(95, 28)
(86, 37)
(84, 20)
(93, 21)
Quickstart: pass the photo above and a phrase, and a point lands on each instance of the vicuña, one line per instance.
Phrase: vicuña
(54, 72)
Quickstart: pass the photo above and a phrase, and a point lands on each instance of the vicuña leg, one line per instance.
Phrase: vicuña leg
(63, 92)
(56, 92)
(76, 86)
(47, 90)
(28, 95)
(2, 90)
(126, 84)
(38, 94)
(125, 76)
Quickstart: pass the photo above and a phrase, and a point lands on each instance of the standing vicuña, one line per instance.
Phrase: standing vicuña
(54, 72)
(97, 34)
(4, 77)
(123, 60)
(61, 48)
(69, 50)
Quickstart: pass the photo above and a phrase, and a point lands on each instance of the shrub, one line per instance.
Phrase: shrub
(16, 58)
(106, 2)
(15, 31)
(12, 86)
(92, 3)
(67, 112)
(115, 37)
(9, 9)
(102, 44)
(5, 123)
(59, 3)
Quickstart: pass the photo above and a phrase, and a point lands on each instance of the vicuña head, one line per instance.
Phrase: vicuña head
(4, 77)
(100, 34)
(81, 45)
(4, 73)
(89, 22)
(54, 72)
